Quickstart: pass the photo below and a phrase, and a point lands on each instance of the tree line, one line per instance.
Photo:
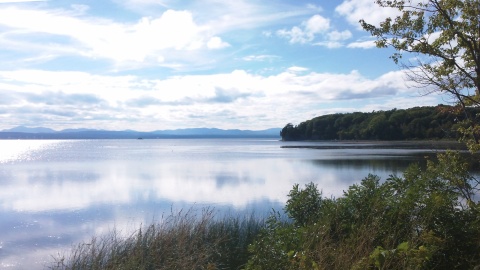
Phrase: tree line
(418, 123)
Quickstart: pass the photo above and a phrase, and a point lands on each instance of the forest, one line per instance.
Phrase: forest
(418, 123)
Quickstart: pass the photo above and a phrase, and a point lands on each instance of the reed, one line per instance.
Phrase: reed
(183, 240)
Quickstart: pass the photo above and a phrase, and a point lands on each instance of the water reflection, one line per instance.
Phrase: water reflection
(373, 164)
(55, 193)
(55, 186)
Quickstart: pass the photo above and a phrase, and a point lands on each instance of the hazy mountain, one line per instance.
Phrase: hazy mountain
(29, 130)
(216, 131)
(79, 130)
(22, 132)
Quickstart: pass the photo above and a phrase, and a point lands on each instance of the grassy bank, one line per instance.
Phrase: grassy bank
(185, 240)
(429, 218)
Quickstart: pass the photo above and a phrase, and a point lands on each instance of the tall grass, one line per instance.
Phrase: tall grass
(183, 240)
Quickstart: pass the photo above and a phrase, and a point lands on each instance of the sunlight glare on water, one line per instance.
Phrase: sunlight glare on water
(17, 150)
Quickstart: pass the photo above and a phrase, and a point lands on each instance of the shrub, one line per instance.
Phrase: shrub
(427, 219)
(303, 206)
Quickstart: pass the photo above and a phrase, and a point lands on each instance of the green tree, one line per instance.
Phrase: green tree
(444, 35)
(303, 206)
(377, 126)
(289, 132)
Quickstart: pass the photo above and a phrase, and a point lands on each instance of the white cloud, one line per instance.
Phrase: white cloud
(317, 24)
(20, 1)
(414, 100)
(217, 43)
(188, 35)
(329, 44)
(224, 16)
(296, 69)
(80, 9)
(334, 39)
(295, 35)
(315, 7)
(148, 38)
(307, 31)
(355, 10)
(147, 2)
(316, 31)
(178, 34)
(267, 33)
(250, 101)
(338, 36)
(260, 58)
(366, 44)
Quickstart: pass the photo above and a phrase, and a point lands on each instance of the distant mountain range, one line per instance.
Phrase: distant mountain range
(22, 132)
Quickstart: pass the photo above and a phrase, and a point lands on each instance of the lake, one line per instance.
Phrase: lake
(55, 193)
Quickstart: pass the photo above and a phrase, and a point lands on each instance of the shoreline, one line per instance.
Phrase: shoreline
(433, 145)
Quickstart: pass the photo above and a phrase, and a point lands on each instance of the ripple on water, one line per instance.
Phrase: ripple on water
(22, 150)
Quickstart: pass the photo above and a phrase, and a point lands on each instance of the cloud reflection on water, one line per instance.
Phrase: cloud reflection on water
(55, 186)
(56, 193)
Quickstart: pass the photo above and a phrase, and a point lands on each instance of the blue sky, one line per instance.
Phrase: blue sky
(165, 64)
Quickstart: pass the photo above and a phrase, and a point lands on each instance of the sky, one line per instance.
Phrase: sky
(168, 64)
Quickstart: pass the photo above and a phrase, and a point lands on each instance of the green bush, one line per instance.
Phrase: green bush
(304, 206)
(427, 219)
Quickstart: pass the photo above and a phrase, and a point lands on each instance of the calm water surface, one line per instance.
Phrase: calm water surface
(54, 193)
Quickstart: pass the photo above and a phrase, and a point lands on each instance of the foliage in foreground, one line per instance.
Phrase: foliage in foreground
(180, 241)
(427, 219)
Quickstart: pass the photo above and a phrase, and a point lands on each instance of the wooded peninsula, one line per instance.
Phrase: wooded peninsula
(440, 122)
